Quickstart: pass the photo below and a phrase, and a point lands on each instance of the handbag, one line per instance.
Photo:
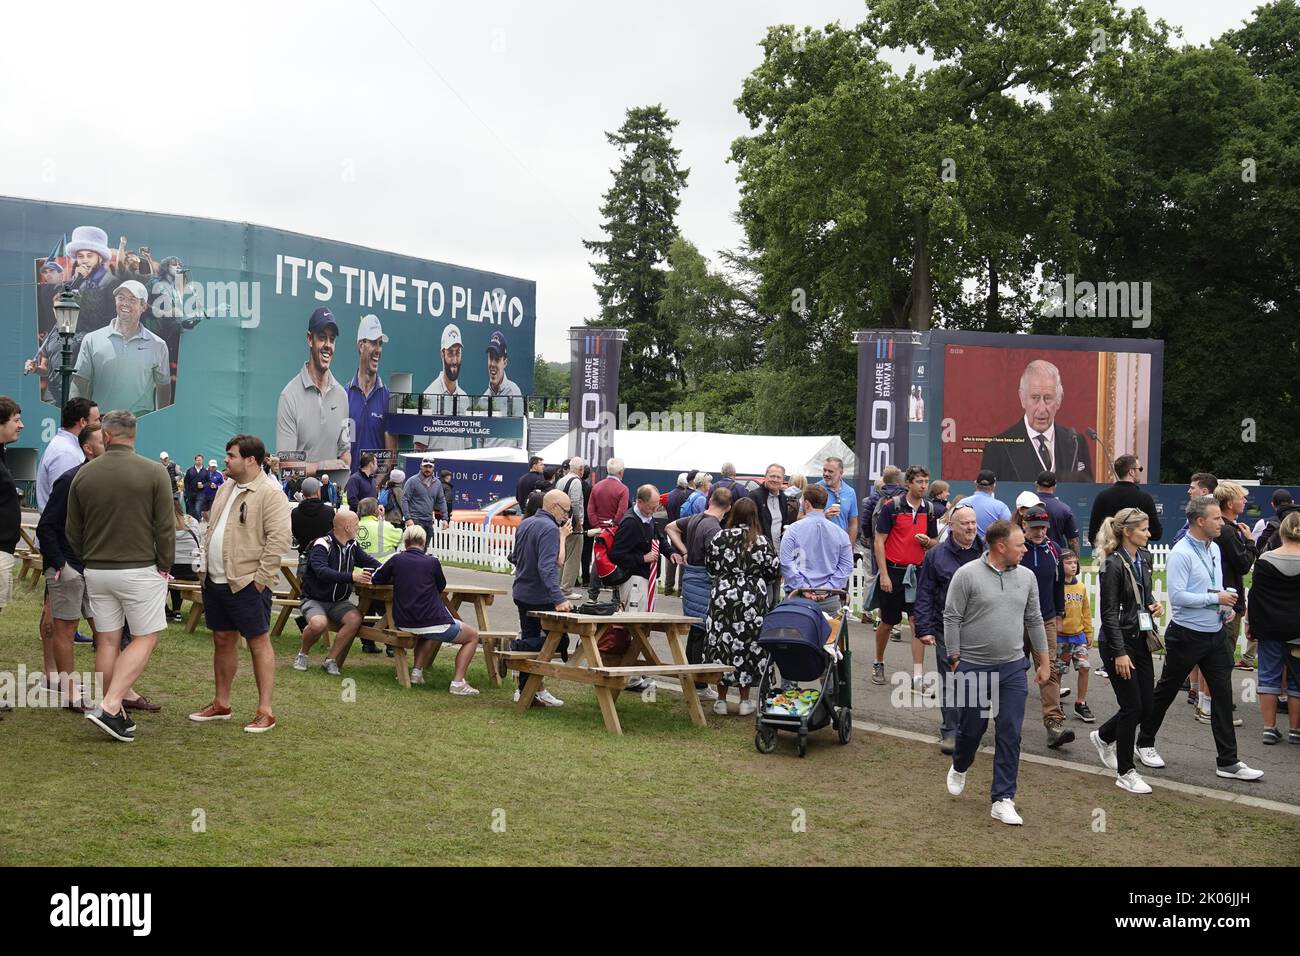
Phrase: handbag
(1154, 644)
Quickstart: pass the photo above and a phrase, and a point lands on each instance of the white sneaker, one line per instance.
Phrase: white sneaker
(1005, 811)
(1149, 757)
(331, 668)
(720, 708)
(1105, 751)
(515, 699)
(300, 662)
(577, 596)
(1239, 771)
(417, 676)
(956, 782)
(707, 694)
(1132, 782)
(1065, 692)
(747, 708)
(461, 688)
(548, 699)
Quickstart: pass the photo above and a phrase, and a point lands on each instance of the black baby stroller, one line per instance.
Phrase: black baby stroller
(796, 634)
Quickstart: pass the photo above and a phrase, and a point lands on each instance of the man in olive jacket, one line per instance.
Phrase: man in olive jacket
(121, 522)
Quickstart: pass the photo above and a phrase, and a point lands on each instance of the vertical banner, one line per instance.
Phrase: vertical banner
(593, 394)
(884, 393)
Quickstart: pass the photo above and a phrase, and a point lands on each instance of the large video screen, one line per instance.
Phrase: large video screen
(1021, 411)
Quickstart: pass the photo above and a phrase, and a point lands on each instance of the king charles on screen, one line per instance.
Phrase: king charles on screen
(1036, 443)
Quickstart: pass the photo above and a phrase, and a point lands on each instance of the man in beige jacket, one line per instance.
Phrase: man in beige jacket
(248, 535)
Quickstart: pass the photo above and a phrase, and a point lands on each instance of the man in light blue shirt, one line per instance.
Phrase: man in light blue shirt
(987, 508)
(815, 552)
(64, 449)
(1197, 637)
(841, 501)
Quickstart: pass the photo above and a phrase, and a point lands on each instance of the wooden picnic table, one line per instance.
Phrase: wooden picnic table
(610, 672)
(287, 603)
(29, 558)
(455, 596)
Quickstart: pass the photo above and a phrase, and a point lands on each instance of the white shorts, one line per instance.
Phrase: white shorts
(138, 595)
(6, 577)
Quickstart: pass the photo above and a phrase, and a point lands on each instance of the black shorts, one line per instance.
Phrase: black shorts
(247, 611)
(893, 604)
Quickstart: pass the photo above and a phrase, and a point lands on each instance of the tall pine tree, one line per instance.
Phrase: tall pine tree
(640, 211)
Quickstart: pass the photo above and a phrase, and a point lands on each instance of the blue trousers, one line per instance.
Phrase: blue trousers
(978, 695)
(948, 724)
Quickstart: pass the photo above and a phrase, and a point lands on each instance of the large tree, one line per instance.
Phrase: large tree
(640, 224)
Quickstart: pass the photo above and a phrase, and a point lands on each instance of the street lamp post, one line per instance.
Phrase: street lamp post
(66, 311)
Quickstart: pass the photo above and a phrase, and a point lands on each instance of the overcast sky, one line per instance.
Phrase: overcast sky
(471, 133)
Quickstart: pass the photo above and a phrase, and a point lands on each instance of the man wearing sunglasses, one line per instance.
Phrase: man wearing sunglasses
(242, 550)
(536, 558)
(1125, 493)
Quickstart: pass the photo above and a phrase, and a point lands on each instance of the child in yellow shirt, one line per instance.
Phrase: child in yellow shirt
(1075, 636)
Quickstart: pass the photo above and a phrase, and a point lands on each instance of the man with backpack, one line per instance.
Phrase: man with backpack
(905, 528)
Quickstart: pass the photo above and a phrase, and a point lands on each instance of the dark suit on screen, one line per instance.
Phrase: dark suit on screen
(1011, 457)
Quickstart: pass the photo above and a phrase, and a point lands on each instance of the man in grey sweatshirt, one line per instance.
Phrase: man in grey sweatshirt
(992, 602)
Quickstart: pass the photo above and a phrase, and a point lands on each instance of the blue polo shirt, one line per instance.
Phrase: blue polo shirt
(845, 498)
(367, 413)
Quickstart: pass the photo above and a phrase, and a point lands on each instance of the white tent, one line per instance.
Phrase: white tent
(751, 454)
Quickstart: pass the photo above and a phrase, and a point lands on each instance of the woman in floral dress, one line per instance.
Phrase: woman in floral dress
(746, 571)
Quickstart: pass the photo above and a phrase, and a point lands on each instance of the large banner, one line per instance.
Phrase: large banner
(207, 329)
(593, 394)
(1024, 405)
(885, 398)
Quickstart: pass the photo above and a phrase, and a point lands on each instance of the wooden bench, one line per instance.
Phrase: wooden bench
(615, 678)
(30, 563)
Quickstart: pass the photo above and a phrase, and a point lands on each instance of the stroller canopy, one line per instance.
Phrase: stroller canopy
(794, 633)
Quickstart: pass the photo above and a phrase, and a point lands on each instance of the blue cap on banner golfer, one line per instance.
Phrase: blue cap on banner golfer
(497, 344)
(321, 320)
(51, 265)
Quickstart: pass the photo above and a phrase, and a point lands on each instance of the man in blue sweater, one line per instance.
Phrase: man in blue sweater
(334, 564)
(941, 562)
(537, 578)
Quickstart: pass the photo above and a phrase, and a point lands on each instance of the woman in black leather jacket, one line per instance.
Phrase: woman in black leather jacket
(1125, 562)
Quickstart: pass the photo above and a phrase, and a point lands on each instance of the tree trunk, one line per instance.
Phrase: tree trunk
(991, 315)
(922, 287)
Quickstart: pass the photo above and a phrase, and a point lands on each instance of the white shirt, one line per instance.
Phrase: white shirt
(1050, 435)
(62, 453)
(216, 551)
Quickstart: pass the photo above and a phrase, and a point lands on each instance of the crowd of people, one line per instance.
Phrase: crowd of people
(995, 592)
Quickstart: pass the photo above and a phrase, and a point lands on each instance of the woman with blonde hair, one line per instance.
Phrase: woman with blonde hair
(795, 490)
(1128, 615)
(1274, 611)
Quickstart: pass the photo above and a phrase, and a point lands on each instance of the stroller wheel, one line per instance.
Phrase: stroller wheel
(803, 745)
(845, 725)
(765, 740)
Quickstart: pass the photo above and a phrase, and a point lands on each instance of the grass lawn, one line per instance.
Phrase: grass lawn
(420, 777)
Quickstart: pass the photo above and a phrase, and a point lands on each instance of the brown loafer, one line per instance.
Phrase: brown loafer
(142, 703)
(211, 712)
(261, 723)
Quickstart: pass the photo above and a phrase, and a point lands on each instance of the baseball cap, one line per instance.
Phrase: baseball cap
(1046, 479)
(310, 486)
(51, 265)
(496, 344)
(397, 475)
(135, 288)
(986, 477)
(370, 329)
(1037, 517)
(162, 455)
(212, 463)
(321, 320)
(450, 336)
(1027, 499)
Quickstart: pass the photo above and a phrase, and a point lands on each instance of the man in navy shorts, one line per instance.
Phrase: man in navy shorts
(248, 534)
